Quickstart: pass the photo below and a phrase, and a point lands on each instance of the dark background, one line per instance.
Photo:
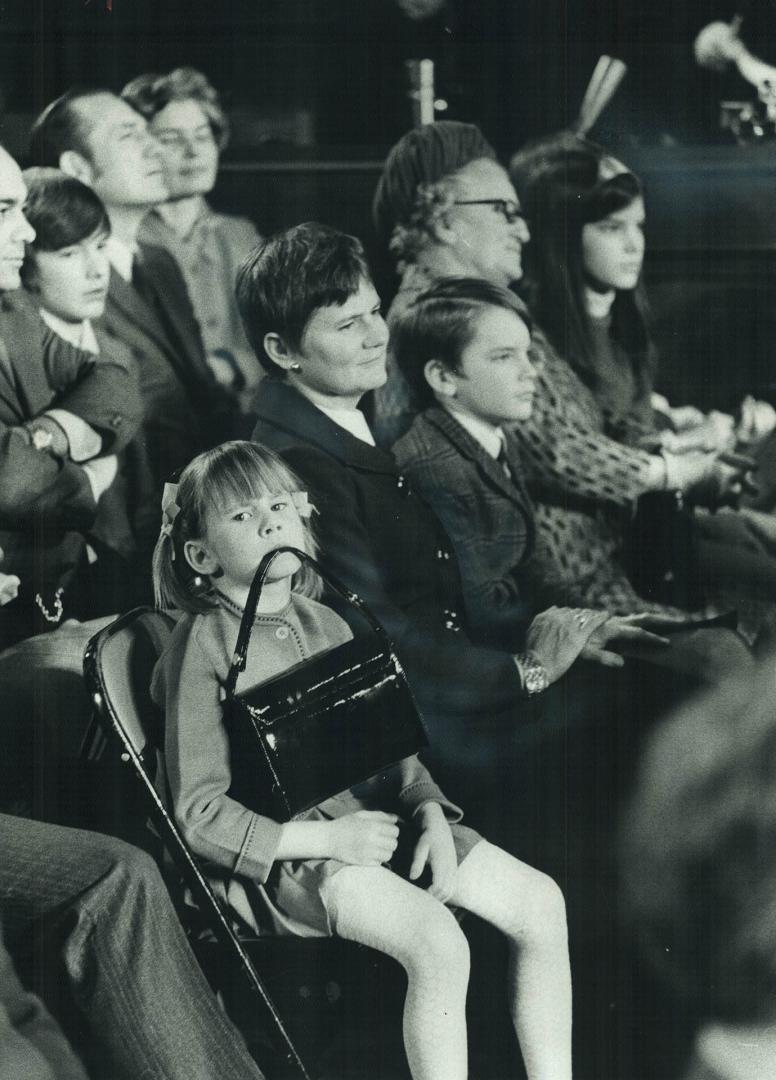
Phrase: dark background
(317, 91)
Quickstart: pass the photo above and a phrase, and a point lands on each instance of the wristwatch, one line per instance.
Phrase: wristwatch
(534, 674)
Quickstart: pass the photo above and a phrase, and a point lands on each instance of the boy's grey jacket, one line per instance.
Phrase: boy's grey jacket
(488, 517)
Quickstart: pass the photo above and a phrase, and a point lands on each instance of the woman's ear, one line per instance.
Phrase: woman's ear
(443, 232)
(440, 379)
(279, 353)
(199, 558)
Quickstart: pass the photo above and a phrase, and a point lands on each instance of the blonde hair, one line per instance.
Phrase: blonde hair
(237, 470)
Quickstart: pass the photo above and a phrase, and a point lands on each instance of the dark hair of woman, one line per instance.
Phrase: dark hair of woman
(565, 183)
(289, 276)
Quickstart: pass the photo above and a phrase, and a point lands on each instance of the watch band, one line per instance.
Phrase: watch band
(535, 679)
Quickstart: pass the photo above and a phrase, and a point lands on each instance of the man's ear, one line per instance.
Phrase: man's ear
(440, 379)
(199, 558)
(76, 165)
(278, 352)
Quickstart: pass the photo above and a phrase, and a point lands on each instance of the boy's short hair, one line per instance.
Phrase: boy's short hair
(440, 323)
(62, 211)
(290, 276)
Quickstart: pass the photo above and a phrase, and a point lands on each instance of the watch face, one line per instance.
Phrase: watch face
(41, 439)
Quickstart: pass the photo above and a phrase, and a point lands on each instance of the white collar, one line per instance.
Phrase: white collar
(121, 256)
(490, 438)
(352, 420)
(80, 334)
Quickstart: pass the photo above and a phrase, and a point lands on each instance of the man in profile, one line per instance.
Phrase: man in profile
(108, 915)
(99, 139)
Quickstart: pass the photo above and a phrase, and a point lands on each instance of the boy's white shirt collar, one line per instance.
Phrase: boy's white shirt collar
(80, 334)
(121, 257)
(352, 420)
(490, 438)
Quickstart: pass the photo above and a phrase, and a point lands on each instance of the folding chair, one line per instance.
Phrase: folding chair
(118, 664)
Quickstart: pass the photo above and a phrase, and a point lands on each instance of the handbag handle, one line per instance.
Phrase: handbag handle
(254, 595)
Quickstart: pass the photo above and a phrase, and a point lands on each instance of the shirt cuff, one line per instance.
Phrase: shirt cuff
(84, 441)
(101, 473)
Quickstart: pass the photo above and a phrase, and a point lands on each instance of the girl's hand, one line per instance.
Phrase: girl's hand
(757, 421)
(714, 433)
(685, 417)
(9, 588)
(9, 585)
(435, 848)
(365, 838)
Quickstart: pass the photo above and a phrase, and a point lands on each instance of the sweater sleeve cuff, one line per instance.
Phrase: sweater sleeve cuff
(259, 849)
(416, 795)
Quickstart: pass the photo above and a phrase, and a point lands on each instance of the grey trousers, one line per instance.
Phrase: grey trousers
(132, 974)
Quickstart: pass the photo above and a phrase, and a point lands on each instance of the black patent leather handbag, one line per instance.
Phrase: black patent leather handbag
(322, 726)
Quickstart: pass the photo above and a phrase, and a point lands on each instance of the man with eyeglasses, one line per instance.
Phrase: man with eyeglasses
(446, 208)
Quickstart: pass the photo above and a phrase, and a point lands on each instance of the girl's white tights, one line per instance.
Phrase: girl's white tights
(373, 906)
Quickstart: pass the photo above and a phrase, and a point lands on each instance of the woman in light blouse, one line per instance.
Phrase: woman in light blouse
(184, 112)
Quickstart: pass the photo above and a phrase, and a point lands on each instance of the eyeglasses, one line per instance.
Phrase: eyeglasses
(507, 207)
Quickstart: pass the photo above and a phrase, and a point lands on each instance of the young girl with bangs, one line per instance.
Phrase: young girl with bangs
(585, 290)
(325, 873)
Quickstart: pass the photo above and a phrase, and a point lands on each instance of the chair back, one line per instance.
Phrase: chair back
(118, 664)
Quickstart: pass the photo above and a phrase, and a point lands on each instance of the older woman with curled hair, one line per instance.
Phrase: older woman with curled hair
(446, 208)
(185, 114)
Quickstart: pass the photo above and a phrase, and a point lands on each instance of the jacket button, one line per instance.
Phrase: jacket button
(281, 633)
(451, 621)
(116, 420)
(400, 481)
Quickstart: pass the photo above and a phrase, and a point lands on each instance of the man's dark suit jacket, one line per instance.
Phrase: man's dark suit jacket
(46, 504)
(382, 540)
(487, 514)
(186, 411)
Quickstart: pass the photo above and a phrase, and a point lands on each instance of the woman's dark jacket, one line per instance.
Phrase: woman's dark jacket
(383, 541)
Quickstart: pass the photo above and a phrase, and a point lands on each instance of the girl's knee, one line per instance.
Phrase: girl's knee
(441, 948)
(546, 912)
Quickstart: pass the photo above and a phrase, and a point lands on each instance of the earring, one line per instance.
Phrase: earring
(295, 366)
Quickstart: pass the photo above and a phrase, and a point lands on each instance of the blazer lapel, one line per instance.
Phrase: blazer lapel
(491, 469)
(177, 321)
(129, 304)
(284, 407)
